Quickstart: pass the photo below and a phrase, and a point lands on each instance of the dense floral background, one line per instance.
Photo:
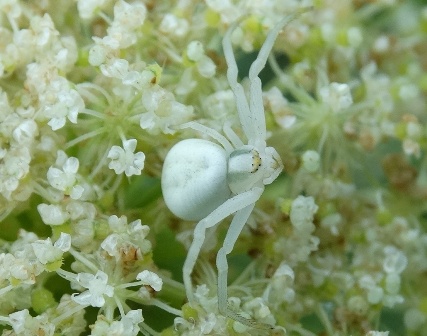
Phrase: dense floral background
(92, 94)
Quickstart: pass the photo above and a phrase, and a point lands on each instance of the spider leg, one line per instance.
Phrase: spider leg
(236, 87)
(265, 50)
(231, 135)
(229, 207)
(222, 140)
(255, 89)
(233, 233)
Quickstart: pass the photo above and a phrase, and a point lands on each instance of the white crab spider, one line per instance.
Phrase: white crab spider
(204, 181)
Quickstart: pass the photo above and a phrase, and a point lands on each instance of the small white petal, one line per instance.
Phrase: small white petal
(151, 279)
(64, 242)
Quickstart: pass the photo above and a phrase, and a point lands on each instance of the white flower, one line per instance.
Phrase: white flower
(111, 245)
(25, 133)
(46, 252)
(302, 213)
(311, 161)
(173, 25)
(281, 282)
(258, 308)
(395, 261)
(279, 106)
(52, 214)
(65, 179)
(337, 96)
(127, 240)
(163, 111)
(196, 53)
(117, 68)
(88, 8)
(97, 286)
(377, 333)
(414, 318)
(14, 166)
(206, 67)
(124, 160)
(24, 324)
(127, 326)
(151, 279)
(11, 7)
(58, 100)
(43, 29)
(129, 15)
(98, 54)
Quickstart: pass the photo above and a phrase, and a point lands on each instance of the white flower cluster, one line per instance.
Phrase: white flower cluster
(126, 326)
(301, 243)
(127, 240)
(28, 258)
(163, 111)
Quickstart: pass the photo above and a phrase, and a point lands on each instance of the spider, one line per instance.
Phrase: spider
(207, 182)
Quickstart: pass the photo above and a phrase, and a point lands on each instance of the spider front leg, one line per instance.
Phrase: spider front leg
(229, 207)
(236, 87)
(255, 90)
(251, 114)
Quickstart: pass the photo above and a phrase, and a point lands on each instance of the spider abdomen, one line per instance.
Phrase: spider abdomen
(194, 178)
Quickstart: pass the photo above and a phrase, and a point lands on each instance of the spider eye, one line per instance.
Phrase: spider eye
(243, 165)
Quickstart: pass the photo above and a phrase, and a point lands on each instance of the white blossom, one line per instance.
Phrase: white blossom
(25, 133)
(311, 161)
(52, 214)
(151, 279)
(46, 252)
(414, 318)
(279, 106)
(24, 324)
(65, 179)
(206, 67)
(377, 333)
(127, 326)
(129, 15)
(88, 8)
(163, 111)
(97, 286)
(124, 159)
(14, 167)
(395, 261)
(174, 25)
(337, 96)
(195, 51)
(302, 213)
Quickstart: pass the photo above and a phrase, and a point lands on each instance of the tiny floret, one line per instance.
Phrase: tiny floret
(337, 96)
(151, 279)
(302, 213)
(46, 252)
(88, 8)
(124, 159)
(97, 286)
(52, 214)
(395, 261)
(24, 324)
(311, 161)
(65, 179)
